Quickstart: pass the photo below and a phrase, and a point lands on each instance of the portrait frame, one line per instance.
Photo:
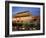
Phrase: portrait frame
(7, 16)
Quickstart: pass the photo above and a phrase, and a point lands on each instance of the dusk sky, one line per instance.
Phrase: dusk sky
(33, 10)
